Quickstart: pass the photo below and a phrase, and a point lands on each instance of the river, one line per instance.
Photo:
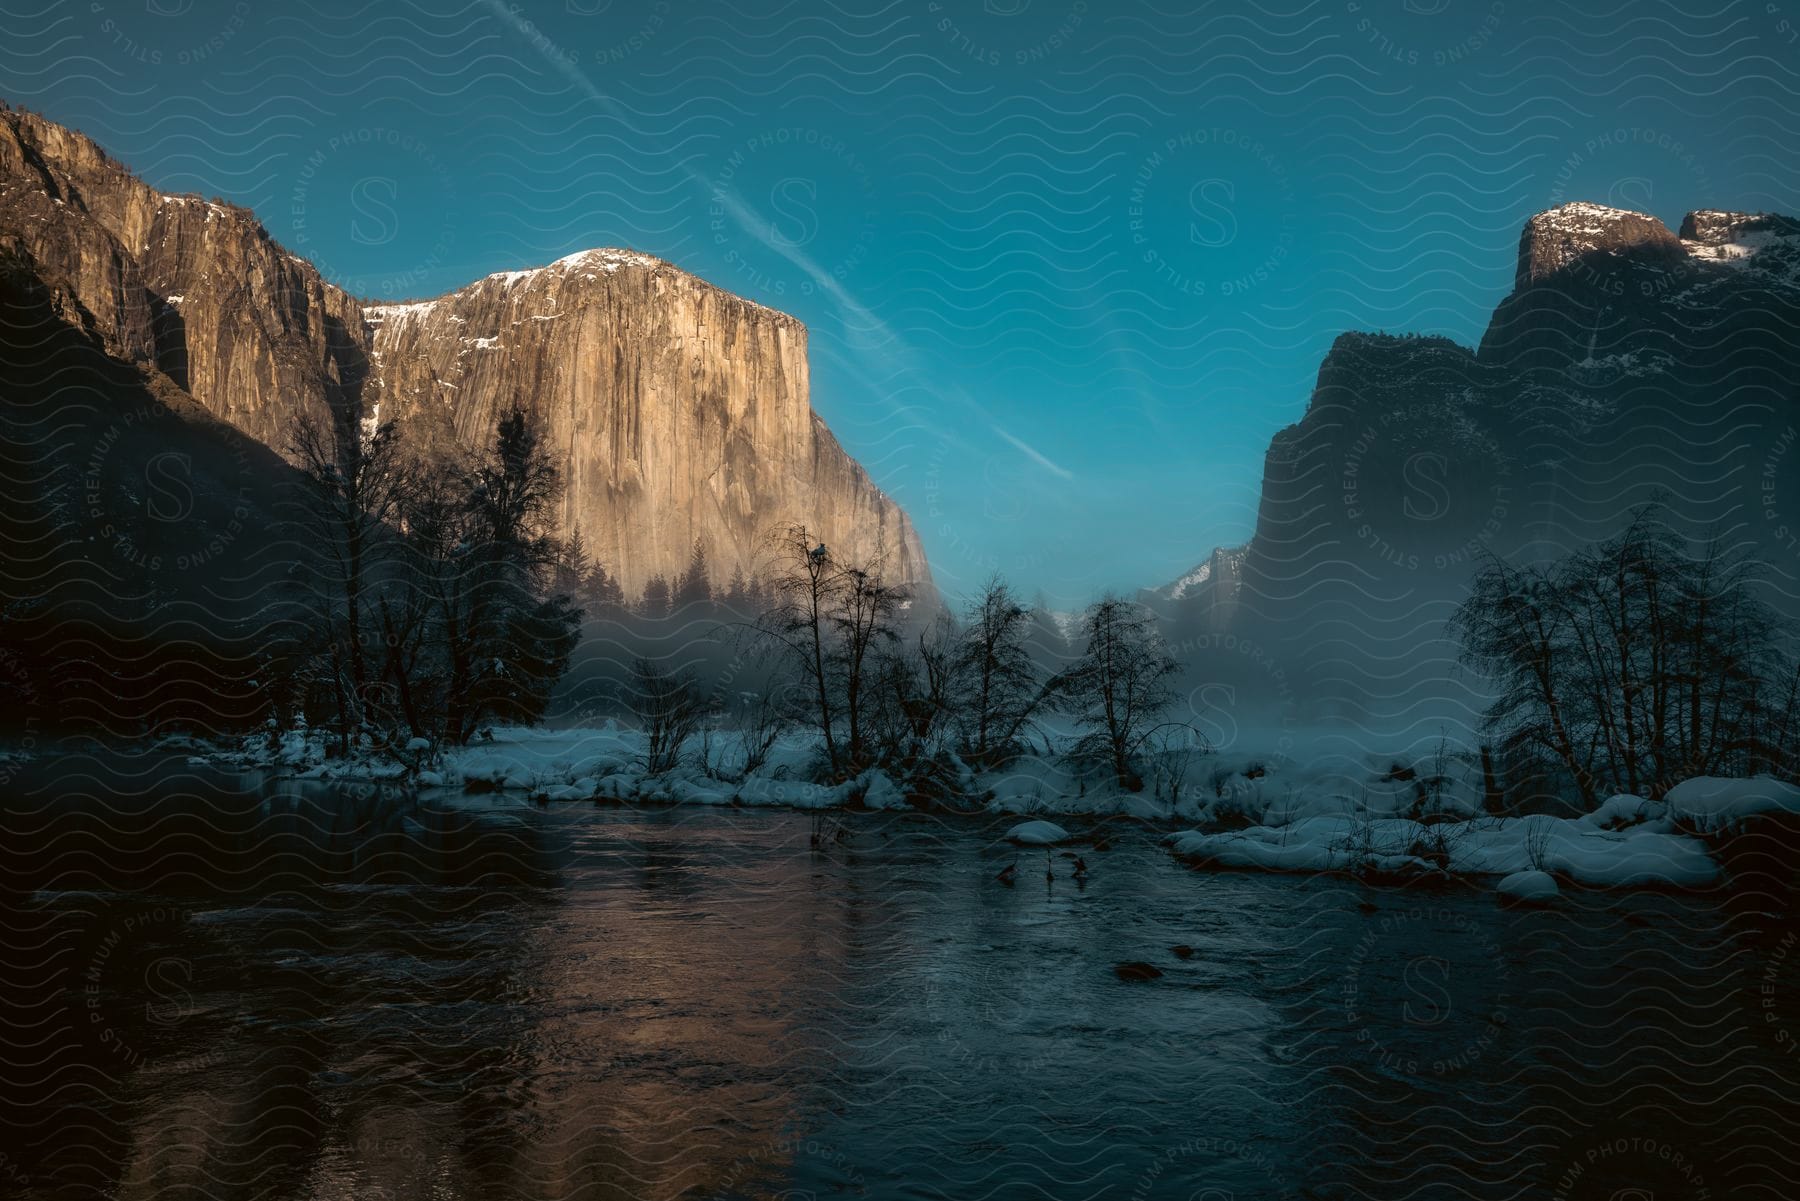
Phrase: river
(228, 985)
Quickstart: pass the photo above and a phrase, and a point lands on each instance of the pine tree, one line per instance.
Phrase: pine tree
(573, 567)
(601, 592)
(694, 588)
(516, 641)
(655, 604)
(737, 593)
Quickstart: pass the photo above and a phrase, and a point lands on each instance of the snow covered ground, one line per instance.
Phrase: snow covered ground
(1370, 816)
(1627, 842)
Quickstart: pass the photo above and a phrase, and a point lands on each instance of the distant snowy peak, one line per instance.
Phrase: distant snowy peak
(1222, 566)
(1768, 244)
(1563, 237)
(1067, 624)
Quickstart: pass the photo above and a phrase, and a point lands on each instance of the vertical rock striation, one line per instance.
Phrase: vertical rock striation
(681, 411)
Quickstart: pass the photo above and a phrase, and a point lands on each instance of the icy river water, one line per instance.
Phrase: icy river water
(227, 986)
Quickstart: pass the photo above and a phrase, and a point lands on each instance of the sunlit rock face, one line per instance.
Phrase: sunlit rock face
(197, 289)
(1556, 239)
(681, 413)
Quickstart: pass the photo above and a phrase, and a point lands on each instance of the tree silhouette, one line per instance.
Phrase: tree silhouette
(693, 588)
(1119, 687)
(656, 601)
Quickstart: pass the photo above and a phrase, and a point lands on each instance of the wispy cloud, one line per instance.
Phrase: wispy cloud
(887, 341)
(1035, 455)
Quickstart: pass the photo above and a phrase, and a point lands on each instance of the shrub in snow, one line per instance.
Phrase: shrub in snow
(1625, 810)
(670, 708)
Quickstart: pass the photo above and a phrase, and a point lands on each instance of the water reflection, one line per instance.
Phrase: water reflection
(234, 987)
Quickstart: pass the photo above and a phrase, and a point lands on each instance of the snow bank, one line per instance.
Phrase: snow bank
(1710, 803)
(1641, 856)
(1529, 888)
(1358, 813)
(1037, 834)
(598, 763)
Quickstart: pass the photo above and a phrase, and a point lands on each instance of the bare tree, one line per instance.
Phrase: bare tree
(916, 701)
(1119, 687)
(1632, 664)
(828, 622)
(670, 708)
(998, 689)
(863, 625)
(806, 587)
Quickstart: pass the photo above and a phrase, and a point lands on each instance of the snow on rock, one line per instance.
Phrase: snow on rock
(1710, 803)
(1529, 888)
(1037, 834)
(604, 259)
(1225, 561)
(1559, 237)
(398, 314)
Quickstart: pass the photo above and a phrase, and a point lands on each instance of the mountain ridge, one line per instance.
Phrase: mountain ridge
(1578, 242)
(1622, 376)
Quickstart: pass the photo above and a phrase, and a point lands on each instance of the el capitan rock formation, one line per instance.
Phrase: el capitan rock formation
(682, 412)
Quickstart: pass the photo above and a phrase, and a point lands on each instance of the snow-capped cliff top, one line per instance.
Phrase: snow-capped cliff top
(604, 260)
(1584, 216)
(1558, 237)
(381, 314)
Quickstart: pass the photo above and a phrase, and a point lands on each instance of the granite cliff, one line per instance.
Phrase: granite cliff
(682, 412)
(1629, 363)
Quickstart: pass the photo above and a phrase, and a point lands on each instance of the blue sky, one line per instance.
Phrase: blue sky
(1066, 265)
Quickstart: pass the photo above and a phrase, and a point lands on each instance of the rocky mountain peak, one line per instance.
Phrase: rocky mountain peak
(1714, 227)
(1361, 368)
(1558, 238)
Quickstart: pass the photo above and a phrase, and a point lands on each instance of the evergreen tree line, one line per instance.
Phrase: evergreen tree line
(689, 594)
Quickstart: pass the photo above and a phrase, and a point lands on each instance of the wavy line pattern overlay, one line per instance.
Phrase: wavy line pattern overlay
(1278, 318)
